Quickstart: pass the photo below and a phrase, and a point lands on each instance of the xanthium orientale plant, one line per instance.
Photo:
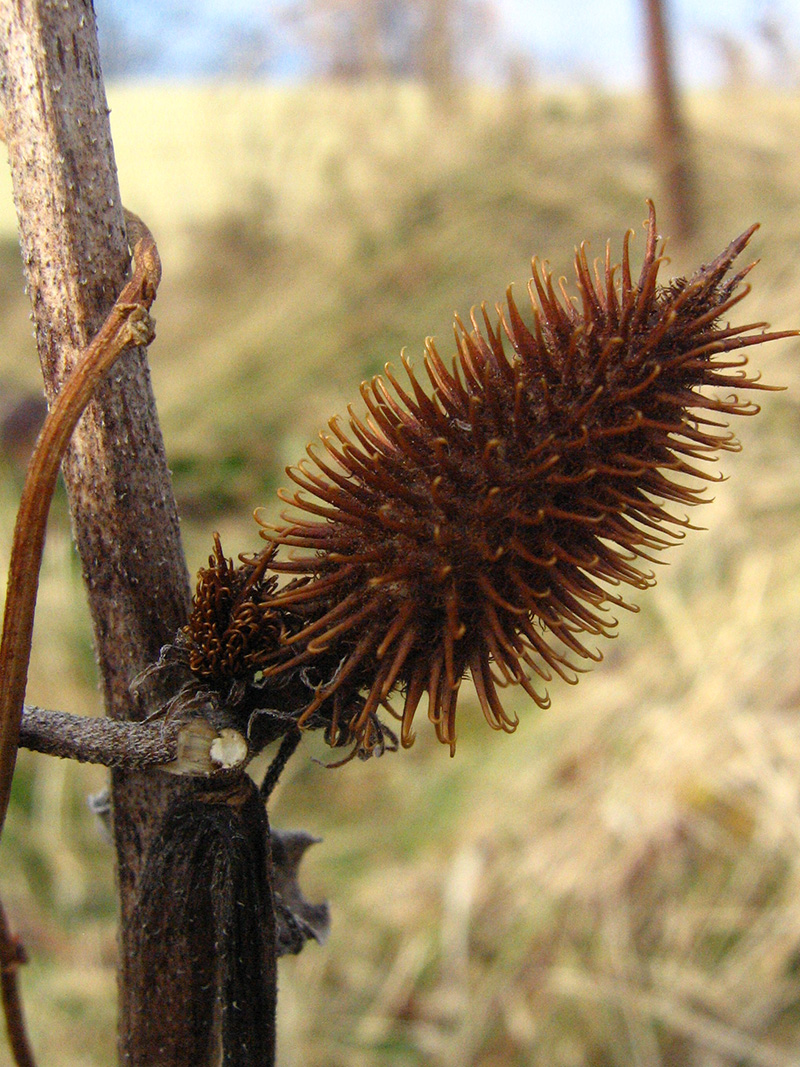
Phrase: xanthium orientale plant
(484, 522)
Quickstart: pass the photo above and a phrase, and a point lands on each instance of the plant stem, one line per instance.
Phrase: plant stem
(192, 748)
(123, 511)
(11, 956)
(98, 740)
(128, 323)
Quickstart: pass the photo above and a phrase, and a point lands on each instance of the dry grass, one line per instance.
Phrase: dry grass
(614, 886)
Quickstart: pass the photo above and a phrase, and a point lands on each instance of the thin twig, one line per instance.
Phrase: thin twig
(289, 742)
(12, 955)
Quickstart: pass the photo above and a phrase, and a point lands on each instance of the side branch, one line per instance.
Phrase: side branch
(98, 740)
(187, 748)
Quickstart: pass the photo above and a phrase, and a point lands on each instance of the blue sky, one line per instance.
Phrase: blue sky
(600, 38)
(566, 39)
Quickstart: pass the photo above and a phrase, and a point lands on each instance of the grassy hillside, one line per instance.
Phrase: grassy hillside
(616, 885)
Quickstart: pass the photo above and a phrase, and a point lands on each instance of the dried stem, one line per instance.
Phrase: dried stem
(128, 324)
(124, 516)
(12, 954)
(288, 745)
(75, 251)
(193, 747)
(98, 740)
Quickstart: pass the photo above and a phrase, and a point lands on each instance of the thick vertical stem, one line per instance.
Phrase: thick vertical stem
(75, 250)
(124, 518)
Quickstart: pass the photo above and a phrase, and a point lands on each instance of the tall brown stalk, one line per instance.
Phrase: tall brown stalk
(75, 252)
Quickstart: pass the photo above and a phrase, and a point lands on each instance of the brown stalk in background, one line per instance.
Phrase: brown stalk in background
(670, 141)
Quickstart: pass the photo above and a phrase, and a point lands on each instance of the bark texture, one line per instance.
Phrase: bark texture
(125, 522)
(97, 740)
(75, 250)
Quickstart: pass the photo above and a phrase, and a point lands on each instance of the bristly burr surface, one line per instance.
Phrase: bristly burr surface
(484, 522)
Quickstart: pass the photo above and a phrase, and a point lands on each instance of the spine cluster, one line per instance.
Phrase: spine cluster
(485, 520)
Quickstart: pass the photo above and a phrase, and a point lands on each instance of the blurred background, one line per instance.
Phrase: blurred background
(618, 884)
